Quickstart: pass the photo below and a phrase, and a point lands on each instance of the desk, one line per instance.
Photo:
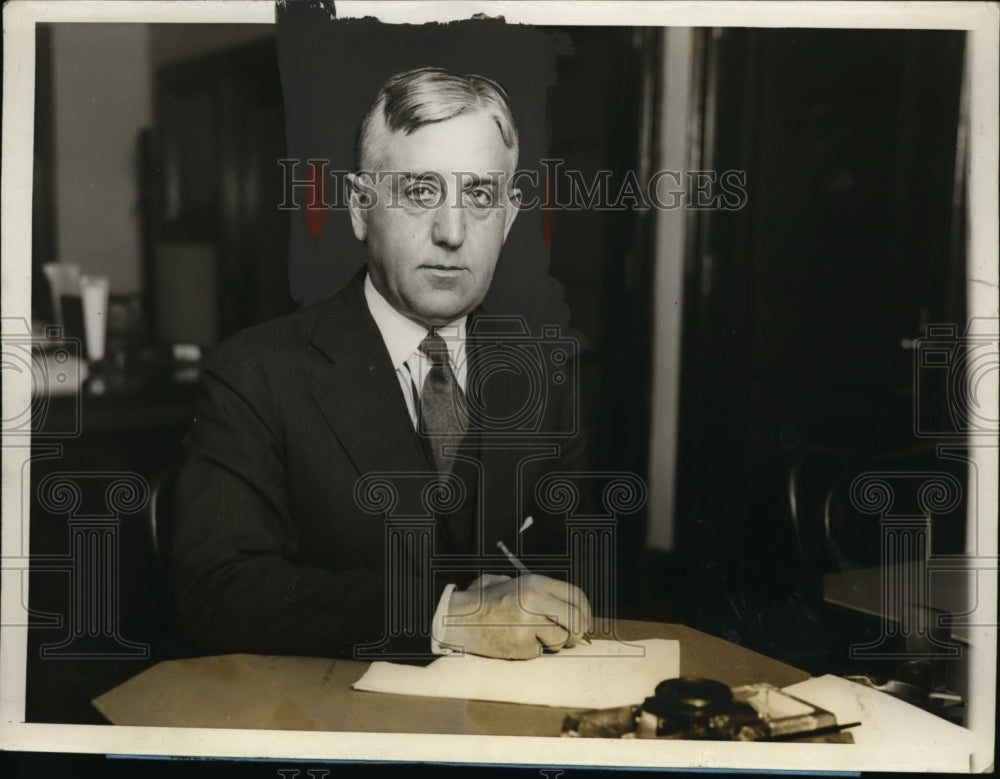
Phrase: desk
(886, 592)
(306, 693)
(863, 589)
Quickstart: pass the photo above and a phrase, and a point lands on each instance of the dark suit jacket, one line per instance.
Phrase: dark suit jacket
(280, 532)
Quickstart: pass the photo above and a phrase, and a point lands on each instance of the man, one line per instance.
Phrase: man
(314, 430)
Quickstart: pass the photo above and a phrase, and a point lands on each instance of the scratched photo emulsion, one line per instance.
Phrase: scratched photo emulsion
(586, 381)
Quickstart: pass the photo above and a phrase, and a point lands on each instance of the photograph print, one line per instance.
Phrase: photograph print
(396, 381)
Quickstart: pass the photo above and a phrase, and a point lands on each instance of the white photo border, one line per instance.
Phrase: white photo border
(20, 18)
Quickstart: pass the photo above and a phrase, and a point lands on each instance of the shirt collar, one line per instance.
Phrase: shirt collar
(402, 335)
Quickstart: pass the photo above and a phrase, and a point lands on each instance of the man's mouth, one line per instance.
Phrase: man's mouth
(443, 268)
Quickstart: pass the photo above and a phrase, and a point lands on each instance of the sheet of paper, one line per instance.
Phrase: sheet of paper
(600, 675)
(885, 720)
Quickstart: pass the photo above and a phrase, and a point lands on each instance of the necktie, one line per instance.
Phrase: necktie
(441, 413)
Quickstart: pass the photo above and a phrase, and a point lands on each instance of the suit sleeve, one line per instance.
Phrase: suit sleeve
(237, 582)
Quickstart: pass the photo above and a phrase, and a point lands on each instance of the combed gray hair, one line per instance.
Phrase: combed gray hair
(410, 100)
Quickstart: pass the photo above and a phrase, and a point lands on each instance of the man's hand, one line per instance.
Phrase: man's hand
(516, 619)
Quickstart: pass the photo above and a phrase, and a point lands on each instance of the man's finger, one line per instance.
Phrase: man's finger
(560, 589)
(561, 612)
(565, 613)
(553, 637)
(573, 640)
(523, 646)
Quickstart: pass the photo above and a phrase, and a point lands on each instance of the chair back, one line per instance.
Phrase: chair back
(830, 532)
(159, 516)
(159, 530)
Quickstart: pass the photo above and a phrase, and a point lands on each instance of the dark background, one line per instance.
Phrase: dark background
(796, 308)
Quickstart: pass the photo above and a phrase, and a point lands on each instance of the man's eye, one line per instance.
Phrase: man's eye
(481, 197)
(423, 194)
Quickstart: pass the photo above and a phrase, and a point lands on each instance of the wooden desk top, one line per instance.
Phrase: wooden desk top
(308, 693)
(883, 592)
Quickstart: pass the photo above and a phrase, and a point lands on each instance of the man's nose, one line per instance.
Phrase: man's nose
(449, 226)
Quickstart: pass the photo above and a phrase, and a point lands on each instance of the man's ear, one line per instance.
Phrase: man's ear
(359, 202)
(513, 207)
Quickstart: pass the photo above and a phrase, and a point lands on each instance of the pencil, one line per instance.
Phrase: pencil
(521, 567)
(513, 558)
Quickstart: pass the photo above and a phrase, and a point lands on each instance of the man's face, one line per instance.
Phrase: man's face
(440, 218)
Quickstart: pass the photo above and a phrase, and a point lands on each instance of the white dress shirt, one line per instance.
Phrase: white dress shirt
(402, 337)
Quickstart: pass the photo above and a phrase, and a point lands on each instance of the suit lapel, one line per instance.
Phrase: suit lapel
(359, 395)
